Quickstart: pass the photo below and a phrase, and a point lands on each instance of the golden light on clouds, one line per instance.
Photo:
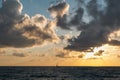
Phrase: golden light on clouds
(115, 35)
(89, 55)
(97, 53)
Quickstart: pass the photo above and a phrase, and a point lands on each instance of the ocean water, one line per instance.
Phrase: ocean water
(59, 73)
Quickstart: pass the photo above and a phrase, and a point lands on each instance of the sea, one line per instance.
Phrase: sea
(59, 73)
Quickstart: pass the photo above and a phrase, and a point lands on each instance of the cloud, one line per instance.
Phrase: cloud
(19, 54)
(103, 20)
(60, 12)
(114, 38)
(81, 55)
(114, 42)
(93, 58)
(2, 52)
(95, 19)
(65, 37)
(19, 30)
(61, 53)
(99, 53)
(118, 56)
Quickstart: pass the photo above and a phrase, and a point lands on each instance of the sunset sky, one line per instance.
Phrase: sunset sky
(59, 32)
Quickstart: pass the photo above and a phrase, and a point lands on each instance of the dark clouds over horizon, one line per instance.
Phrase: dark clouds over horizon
(102, 23)
(19, 30)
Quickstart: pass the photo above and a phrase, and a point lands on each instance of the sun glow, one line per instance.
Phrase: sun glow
(97, 52)
(89, 55)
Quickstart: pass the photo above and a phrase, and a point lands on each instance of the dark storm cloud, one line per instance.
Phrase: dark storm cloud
(17, 30)
(59, 12)
(102, 22)
(77, 19)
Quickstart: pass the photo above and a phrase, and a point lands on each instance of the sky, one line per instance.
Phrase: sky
(59, 32)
